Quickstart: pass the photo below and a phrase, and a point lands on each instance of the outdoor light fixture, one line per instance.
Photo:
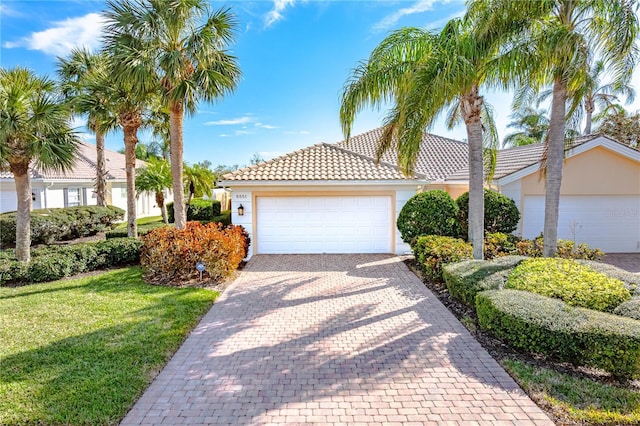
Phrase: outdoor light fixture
(240, 210)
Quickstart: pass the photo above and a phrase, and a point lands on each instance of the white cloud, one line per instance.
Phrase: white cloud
(301, 132)
(420, 6)
(243, 132)
(275, 14)
(83, 31)
(230, 122)
(265, 126)
(7, 11)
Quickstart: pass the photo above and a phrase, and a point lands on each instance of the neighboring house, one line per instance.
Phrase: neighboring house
(334, 198)
(77, 187)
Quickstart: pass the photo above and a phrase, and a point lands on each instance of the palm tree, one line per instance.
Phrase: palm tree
(179, 46)
(407, 68)
(199, 181)
(34, 131)
(75, 73)
(155, 177)
(533, 125)
(556, 45)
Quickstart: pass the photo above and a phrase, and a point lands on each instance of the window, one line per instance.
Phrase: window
(73, 197)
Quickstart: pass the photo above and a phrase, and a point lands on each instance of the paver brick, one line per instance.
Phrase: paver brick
(332, 339)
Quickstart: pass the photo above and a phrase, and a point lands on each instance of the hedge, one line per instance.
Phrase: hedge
(434, 251)
(49, 225)
(55, 262)
(500, 212)
(630, 308)
(631, 281)
(466, 279)
(542, 325)
(199, 209)
(142, 230)
(574, 283)
(428, 213)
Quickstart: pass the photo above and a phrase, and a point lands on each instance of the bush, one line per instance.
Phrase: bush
(574, 283)
(630, 308)
(466, 279)
(169, 255)
(541, 325)
(565, 249)
(223, 218)
(500, 212)
(433, 251)
(428, 213)
(499, 244)
(199, 209)
(631, 281)
(55, 262)
(49, 225)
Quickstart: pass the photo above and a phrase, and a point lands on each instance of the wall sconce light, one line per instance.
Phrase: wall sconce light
(240, 210)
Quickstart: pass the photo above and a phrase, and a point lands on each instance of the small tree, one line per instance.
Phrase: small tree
(155, 177)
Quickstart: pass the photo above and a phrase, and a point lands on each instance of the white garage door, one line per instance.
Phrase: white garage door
(610, 223)
(324, 224)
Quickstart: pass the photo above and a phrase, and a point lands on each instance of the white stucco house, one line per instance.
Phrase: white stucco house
(77, 187)
(334, 198)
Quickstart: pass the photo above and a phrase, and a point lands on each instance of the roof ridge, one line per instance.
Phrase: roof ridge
(366, 157)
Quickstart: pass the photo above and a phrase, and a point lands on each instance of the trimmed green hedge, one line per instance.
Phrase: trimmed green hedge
(500, 212)
(428, 213)
(630, 308)
(224, 218)
(631, 281)
(199, 209)
(574, 283)
(55, 262)
(466, 279)
(50, 225)
(142, 230)
(542, 325)
(434, 251)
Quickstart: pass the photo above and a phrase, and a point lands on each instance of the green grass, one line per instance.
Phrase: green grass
(142, 221)
(81, 351)
(579, 399)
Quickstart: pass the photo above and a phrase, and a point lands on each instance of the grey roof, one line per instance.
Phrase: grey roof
(319, 162)
(85, 166)
(438, 157)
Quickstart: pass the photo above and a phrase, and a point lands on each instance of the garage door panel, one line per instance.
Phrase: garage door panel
(611, 223)
(360, 224)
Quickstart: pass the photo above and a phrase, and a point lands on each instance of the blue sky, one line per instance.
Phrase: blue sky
(295, 57)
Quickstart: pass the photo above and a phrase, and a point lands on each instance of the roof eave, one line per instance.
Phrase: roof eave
(401, 182)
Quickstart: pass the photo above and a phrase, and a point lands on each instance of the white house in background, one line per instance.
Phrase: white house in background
(334, 198)
(77, 187)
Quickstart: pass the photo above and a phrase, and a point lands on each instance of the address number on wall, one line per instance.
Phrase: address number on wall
(241, 196)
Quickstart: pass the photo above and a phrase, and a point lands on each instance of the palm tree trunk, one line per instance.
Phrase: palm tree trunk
(175, 129)
(589, 107)
(23, 217)
(471, 110)
(555, 156)
(163, 208)
(130, 140)
(101, 173)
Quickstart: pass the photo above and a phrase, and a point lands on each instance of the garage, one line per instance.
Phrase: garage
(610, 223)
(324, 224)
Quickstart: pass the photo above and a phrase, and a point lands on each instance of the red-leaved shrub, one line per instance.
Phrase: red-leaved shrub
(169, 255)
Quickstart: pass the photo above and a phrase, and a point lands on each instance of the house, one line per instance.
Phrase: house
(77, 187)
(335, 198)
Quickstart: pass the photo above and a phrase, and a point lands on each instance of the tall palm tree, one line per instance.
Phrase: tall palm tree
(407, 69)
(155, 177)
(179, 45)
(557, 43)
(532, 124)
(34, 131)
(86, 98)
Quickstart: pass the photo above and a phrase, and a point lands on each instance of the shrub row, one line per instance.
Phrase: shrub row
(465, 280)
(55, 262)
(565, 279)
(142, 230)
(542, 325)
(169, 255)
(199, 209)
(435, 213)
(434, 251)
(49, 225)
(630, 308)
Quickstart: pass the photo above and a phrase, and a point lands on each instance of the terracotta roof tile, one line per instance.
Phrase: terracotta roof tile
(319, 162)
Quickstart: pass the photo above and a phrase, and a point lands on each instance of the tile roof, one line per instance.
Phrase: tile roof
(438, 157)
(319, 162)
(85, 166)
(511, 160)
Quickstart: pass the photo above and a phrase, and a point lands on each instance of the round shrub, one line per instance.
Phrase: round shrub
(428, 213)
(630, 308)
(500, 212)
(574, 283)
(434, 251)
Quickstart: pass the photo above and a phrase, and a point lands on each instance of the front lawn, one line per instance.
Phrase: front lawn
(81, 351)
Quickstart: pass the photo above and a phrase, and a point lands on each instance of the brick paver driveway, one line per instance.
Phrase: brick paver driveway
(352, 339)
